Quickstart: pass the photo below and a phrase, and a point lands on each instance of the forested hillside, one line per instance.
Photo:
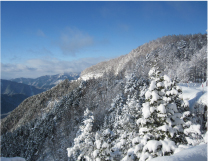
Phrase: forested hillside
(110, 111)
(182, 56)
(16, 91)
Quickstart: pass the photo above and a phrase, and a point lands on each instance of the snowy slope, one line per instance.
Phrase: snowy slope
(196, 153)
(166, 49)
(194, 92)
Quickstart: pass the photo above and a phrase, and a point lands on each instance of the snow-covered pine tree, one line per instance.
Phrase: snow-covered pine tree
(114, 113)
(127, 127)
(134, 91)
(153, 111)
(129, 114)
(103, 145)
(122, 116)
(105, 138)
(162, 124)
(84, 141)
(125, 115)
(191, 131)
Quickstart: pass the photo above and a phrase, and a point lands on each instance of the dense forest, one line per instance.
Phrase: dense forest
(183, 57)
(110, 111)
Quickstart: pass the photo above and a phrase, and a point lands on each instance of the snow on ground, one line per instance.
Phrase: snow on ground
(195, 153)
(90, 76)
(58, 81)
(12, 159)
(194, 92)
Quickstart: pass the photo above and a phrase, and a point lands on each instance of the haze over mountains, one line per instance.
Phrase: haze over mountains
(14, 91)
(11, 87)
(48, 81)
(43, 126)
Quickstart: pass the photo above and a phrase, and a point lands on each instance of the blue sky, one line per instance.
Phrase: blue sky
(44, 38)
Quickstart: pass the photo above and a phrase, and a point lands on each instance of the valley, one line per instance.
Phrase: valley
(15, 91)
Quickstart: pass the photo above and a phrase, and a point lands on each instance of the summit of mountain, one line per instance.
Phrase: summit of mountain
(170, 52)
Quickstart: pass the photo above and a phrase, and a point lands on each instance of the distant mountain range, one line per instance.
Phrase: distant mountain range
(48, 81)
(14, 91)
(10, 87)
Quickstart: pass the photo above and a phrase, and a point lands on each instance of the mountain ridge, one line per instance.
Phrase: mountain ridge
(11, 87)
(182, 47)
(48, 122)
(14, 91)
(47, 81)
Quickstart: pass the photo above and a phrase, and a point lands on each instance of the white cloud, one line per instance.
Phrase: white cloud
(73, 41)
(40, 33)
(39, 51)
(123, 27)
(34, 68)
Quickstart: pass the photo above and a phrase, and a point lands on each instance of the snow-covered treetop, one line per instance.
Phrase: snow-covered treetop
(154, 73)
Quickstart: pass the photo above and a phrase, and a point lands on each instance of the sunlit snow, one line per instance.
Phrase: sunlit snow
(196, 153)
(194, 92)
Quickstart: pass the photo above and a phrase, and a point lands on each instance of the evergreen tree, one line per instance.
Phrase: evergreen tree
(162, 124)
(105, 138)
(127, 126)
(84, 142)
(103, 145)
(123, 115)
